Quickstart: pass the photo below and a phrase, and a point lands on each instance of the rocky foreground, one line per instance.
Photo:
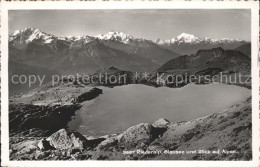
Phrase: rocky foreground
(221, 136)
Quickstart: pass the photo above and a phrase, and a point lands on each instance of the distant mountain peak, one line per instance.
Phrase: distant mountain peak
(109, 70)
(29, 34)
(117, 36)
(190, 38)
(117, 33)
(85, 38)
(16, 32)
(159, 41)
(185, 35)
(29, 28)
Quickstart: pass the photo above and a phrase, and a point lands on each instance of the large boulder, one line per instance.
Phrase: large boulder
(108, 144)
(137, 135)
(161, 123)
(64, 139)
(160, 126)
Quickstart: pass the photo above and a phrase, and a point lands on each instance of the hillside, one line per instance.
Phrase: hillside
(245, 49)
(226, 60)
(229, 131)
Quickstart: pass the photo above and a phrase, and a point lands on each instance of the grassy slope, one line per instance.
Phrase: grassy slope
(229, 130)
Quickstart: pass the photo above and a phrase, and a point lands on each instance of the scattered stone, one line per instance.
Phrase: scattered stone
(68, 152)
(41, 155)
(66, 140)
(75, 151)
(161, 123)
(131, 157)
(159, 136)
(63, 153)
(56, 158)
(107, 144)
(135, 135)
(102, 157)
(28, 149)
(156, 148)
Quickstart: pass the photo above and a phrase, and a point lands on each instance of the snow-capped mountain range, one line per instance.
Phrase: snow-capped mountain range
(31, 34)
(118, 36)
(188, 38)
(87, 54)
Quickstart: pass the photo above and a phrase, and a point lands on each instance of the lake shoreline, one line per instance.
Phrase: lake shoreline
(222, 128)
(113, 107)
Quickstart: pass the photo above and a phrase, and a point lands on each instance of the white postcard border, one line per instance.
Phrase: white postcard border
(253, 5)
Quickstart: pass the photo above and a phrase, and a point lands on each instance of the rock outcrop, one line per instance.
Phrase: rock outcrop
(137, 135)
(65, 140)
(161, 123)
(108, 144)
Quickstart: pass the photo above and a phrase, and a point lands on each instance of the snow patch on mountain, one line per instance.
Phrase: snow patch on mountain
(117, 36)
(159, 41)
(30, 34)
(84, 39)
(16, 32)
(187, 37)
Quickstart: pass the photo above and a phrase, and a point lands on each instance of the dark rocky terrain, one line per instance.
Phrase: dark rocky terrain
(216, 61)
(245, 49)
(204, 63)
(226, 60)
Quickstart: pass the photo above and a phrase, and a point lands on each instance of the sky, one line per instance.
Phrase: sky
(149, 24)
